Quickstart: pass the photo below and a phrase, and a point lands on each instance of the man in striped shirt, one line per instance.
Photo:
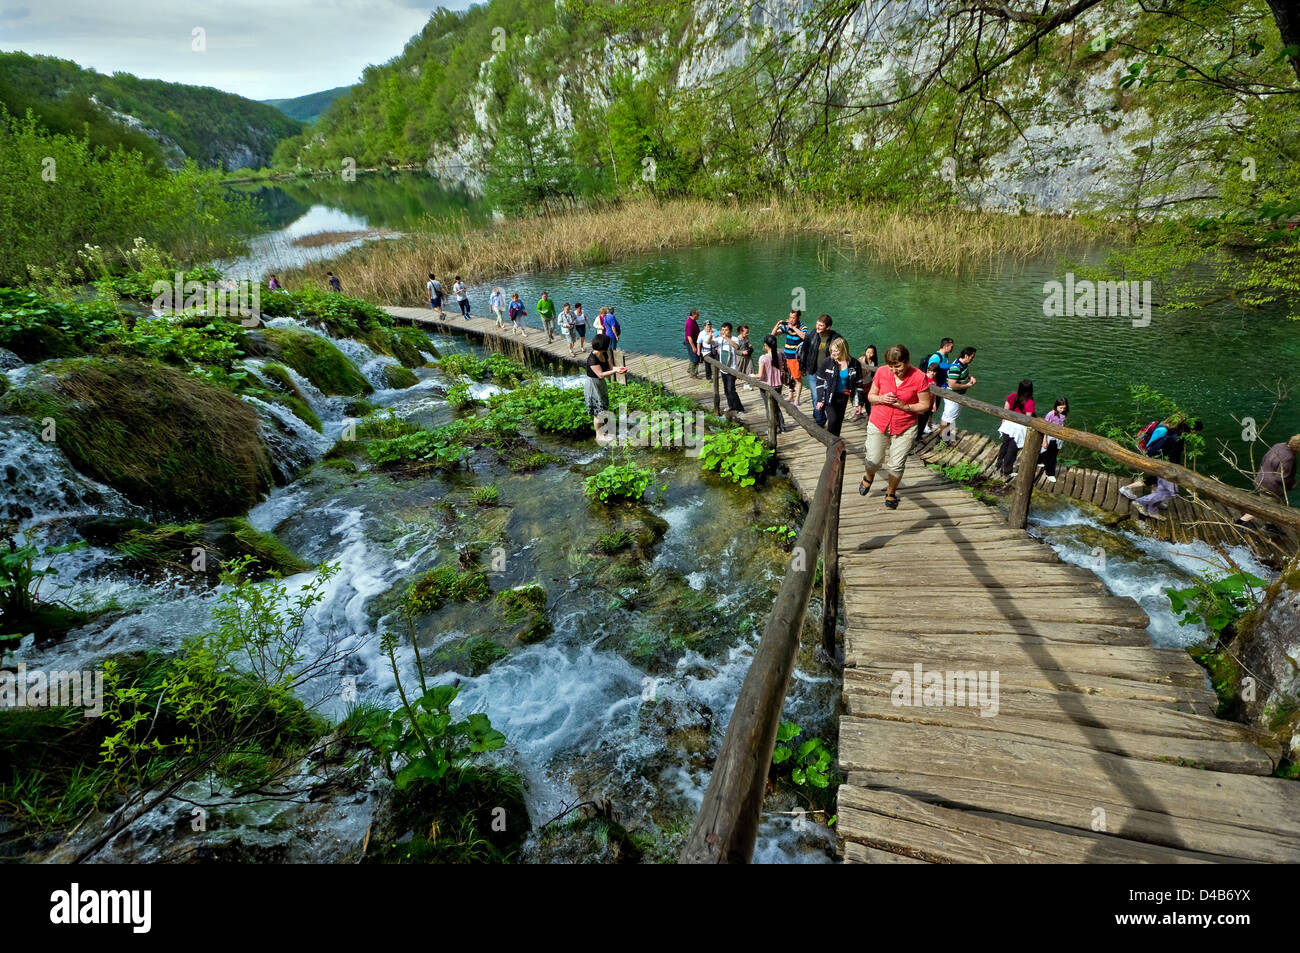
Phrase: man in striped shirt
(794, 332)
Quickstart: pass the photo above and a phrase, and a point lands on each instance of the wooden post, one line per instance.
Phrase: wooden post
(770, 403)
(831, 560)
(1024, 487)
(717, 385)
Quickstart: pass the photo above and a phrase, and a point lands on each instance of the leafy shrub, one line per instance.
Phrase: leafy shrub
(1219, 604)
(433, 447)
(458, 397)
(517, 603)
(618, 481)
(810, 765)
(551, 409)
(737, 454)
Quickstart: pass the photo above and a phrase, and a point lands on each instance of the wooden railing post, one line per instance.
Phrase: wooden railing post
(726, 824)
(770, 403)
(1018, 513)
(717, 384)
(831, 561)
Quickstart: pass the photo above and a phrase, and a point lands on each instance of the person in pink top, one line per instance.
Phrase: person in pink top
(1013, 434)
(899, 395)
(769, 372)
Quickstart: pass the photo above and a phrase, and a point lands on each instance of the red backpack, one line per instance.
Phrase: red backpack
(1145, 434)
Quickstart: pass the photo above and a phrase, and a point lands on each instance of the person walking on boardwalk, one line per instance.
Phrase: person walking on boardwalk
(434, 287)
(870, 364)
(546, 311)
(898, 394)
(497, 305)
(462, 297)
(933, 374)
(729, 354)
(942, 357)
(567, 327)
(745, 350)
(793, 332)
(813, 354)
(840, 378)
(960, 380)
(1052, 445)
(594, 390)
(580, 328)
(708, 348)
(769, 372)
(612, 329)
(1013, 434)
(692, 333)
(517, 314)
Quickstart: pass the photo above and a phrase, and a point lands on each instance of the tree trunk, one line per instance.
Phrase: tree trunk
(1287, 15)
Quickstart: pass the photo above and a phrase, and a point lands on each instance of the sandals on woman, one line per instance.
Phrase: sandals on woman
(864, 485)
(891, 501)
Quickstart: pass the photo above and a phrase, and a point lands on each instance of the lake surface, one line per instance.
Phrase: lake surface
(1218, 363)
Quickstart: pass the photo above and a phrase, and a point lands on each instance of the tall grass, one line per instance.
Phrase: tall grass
(947, 240)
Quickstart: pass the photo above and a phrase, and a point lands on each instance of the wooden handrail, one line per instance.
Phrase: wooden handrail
(820, 433)
(727, 823)
(1207, 486)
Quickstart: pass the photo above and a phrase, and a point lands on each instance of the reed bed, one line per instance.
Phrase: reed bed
(317, 239)
(394, 271)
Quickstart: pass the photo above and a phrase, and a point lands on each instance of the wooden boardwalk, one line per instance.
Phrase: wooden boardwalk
(1190, 517)
(1103, 749)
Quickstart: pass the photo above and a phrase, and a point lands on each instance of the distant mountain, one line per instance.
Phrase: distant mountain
(307, 108)
(167, 121)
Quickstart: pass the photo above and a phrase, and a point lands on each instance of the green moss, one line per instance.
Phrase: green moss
(482, 652)
(290, 395)
(220, 541)
(611, 543)
(517, 603)
(318, 360)
(39, 342)
(1225, 676)
(446, 584)
(341, 463)
(165, 439)
(396, 376)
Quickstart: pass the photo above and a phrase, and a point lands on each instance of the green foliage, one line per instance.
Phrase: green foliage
(21, 578)
(1147, 404)
(1219, 603)
(548, 408)
(967, 472)
(518, 603)
(497, 367)
(737, 454)
(101, 198)
(489, 495)
(610, 543)
(808, 765)
(458, 397)
(786, 534)
(229, 697)
(618, 481)
(445, 584)
(398, 377)
(436, 448)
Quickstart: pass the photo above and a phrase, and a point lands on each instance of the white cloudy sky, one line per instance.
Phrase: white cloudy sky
(262, 49)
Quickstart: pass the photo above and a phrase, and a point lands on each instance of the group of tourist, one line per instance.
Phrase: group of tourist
(570, 320)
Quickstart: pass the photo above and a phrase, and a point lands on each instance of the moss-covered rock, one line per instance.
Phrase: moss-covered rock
(312, 356)
(396, 376)
(166, 440)
(39, 342)
(175, 545)
(287, 392)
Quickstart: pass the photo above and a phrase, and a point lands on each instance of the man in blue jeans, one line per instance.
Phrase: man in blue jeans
(813, 352)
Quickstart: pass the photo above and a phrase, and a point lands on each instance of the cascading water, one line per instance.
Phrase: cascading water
(37, 483)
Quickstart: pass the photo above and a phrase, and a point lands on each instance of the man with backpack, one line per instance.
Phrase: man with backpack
(1160, 440)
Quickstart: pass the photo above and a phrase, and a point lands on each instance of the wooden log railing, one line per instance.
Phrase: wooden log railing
(727, 823)
(1207, 486)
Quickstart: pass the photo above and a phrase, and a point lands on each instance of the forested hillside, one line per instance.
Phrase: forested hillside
(167, 122)
(308, 108)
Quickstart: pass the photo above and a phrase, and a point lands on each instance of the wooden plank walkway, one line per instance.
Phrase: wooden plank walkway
(1103, 748)
(1190, 517)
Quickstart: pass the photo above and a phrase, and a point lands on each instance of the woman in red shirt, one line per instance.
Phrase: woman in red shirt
(1013, 434)
(899, 394)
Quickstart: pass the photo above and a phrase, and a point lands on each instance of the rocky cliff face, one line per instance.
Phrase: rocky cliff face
(1069, 152)
(1270, 653)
